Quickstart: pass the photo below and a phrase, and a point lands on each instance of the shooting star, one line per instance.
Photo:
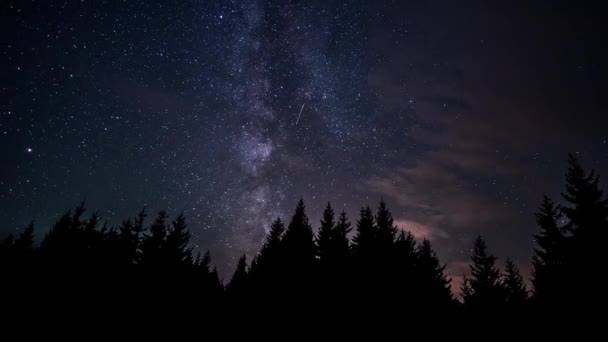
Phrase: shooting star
(301, 109)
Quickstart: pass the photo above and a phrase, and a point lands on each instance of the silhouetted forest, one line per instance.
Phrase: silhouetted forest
(344, 267)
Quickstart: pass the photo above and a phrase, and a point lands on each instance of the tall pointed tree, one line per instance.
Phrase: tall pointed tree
(326, 235)
(433, 285)
(340, 239)
(153, 246)
(204, 264)
(178, 238)
(299, 239)
(386, 230)
(364, 242)
(405, 262)
(405, 247)
(587, 213)
(267, 263)
(483, 289)
(206, 279)
(299, 258)
(549, 256)
(513, 283)
(237, 288)
(273, 240)
(130, 237)
(588, 209)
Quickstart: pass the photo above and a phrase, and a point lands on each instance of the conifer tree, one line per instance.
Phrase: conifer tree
(326, 235)
(177, 241)
(298, 261)
(513, 283)
(483, 289)
(405, 247)
(153, 247)
(586, 210)
(130, 238)
(238, 285)
(299, 239)
(433, 285)
(267, 263)
(364, 242)
(341, 243)
(386, 230)
(549, 257)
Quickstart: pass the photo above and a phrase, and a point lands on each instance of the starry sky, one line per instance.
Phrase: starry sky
(460, 114)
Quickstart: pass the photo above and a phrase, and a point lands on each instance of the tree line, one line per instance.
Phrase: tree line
(369, 263)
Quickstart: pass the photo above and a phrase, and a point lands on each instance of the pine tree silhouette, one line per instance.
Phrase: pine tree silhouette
(406, 251)
(549, 258)
(587, 213)
(405, 247)
(341, 243)
(364, 241)
(177, 242)
(206, 284)
(299, 253)
(299, 230)
(326, 235)
(238, 286)
(341, 268)
(153, 246)
(384, 253)
(386, 230)
(483, 290)
(129, 240)
(268, 266)
(334, 259)
(434, 291)
(588, 210)
(515, 289)
(273, 241)
(366, 276)
(299, 239)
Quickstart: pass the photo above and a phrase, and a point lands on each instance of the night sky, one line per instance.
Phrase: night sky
(459, 114)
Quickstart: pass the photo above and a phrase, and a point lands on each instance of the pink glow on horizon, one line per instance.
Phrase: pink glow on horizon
(420, 230)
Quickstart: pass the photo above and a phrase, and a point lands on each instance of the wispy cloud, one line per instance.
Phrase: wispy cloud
(420, 230)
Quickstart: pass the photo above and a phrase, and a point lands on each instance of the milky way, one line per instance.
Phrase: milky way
(233, 110)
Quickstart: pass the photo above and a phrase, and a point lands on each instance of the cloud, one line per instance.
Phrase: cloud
(420, 230)
(431, 196)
